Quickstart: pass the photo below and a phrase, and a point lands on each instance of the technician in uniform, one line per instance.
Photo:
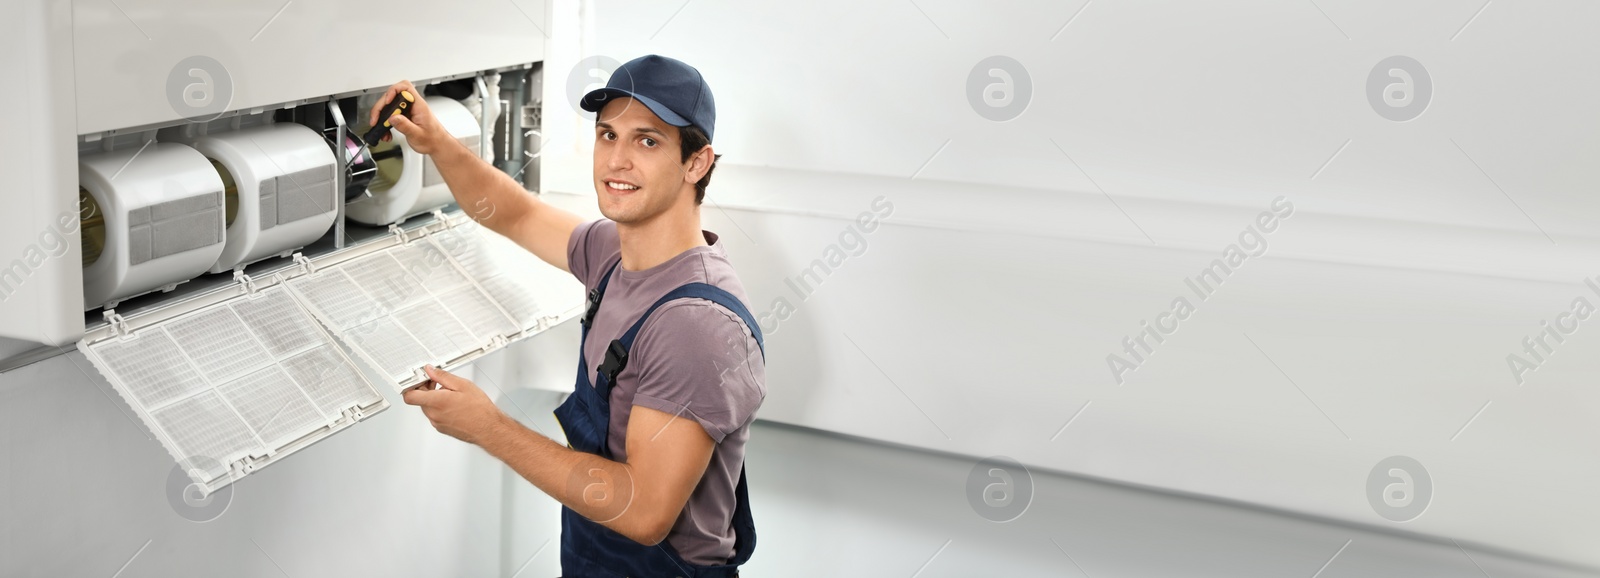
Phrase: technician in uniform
(670, 370)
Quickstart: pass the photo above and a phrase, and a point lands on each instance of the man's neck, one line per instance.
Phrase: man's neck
(645, 245)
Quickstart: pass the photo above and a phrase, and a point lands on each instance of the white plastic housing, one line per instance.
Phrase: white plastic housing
(284, 174)
(163, 210)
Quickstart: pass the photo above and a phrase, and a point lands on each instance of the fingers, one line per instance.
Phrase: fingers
(444, 378)
(420, 395)
(404, 125)
(391, 94)
(425, 392)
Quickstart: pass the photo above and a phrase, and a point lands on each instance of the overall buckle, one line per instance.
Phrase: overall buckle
(592, 308)
(616, 359)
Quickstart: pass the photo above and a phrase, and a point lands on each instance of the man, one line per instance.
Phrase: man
(653, 480)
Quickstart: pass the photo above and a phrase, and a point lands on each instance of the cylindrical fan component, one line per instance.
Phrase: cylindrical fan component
(153, 216)
(409, 184)
(359, 171)
(282, 194)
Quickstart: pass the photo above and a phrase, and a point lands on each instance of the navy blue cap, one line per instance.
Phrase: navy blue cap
(673, 90)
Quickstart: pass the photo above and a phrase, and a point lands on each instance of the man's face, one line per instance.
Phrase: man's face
(638, 173)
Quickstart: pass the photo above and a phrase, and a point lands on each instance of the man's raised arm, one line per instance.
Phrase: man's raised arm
(488, 195)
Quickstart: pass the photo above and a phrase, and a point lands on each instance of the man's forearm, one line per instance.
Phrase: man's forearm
(595, 487)
(500, 203)
(488, 195)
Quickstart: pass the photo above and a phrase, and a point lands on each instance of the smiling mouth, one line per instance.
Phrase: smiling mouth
(619, 186)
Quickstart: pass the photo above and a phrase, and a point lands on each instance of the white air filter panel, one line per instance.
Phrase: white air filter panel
(233, 380)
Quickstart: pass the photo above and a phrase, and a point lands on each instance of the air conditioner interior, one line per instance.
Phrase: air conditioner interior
(288, 186)
(253, 281)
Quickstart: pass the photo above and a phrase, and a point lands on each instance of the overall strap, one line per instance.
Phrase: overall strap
(598, 293)
(589, 312)
(617, 352)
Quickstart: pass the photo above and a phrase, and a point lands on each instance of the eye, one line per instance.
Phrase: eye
(608, 135)
(649, 142)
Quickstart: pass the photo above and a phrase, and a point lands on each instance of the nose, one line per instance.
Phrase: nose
(617, 158)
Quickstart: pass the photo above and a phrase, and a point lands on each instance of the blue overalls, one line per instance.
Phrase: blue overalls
(589, 549)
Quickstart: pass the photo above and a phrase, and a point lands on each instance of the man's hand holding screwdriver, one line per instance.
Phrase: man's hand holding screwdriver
(490, 196)
(422, 129)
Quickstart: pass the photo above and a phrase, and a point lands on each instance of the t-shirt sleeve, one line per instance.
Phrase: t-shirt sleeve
(698, 360)
(590, 244)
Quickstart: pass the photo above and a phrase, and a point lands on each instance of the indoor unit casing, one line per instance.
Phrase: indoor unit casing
(87, 72)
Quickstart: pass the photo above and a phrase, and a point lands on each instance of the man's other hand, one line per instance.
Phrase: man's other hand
(458, 408)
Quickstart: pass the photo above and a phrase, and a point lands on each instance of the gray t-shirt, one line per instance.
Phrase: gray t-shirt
(693, 359)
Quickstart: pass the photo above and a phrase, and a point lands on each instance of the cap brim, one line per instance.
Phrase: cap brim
(599, 97)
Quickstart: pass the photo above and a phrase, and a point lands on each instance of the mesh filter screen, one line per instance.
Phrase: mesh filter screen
(243, 377)
(272, 404)
(219, 344)
(204, 425)
(507, 272)
(403, 307)
(152, 368)
(249, 377)
(438, 330)
(335, 298)
(332, 383)
(282, 326)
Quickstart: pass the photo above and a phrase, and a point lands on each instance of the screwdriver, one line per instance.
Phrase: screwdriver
(400, 105)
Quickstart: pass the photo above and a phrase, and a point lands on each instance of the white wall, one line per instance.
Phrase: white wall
(1019, 254)
(832, 505)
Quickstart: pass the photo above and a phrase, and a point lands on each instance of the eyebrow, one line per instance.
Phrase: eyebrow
(643, 129)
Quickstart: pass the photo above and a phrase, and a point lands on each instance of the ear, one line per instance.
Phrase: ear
(699, 164)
